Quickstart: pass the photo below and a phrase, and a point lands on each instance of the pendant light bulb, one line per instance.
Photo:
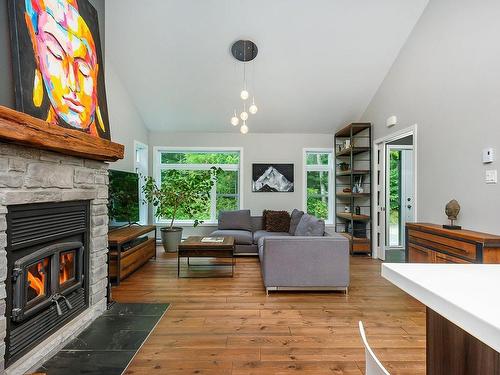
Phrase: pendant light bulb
(253, 108)
(244, 94)
(244, 128)
(244, 114)
(235, 120)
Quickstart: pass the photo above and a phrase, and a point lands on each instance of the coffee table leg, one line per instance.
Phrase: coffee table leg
(178, 265)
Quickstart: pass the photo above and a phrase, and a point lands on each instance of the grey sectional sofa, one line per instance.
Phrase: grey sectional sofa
(246, 239)
(289, 262)
(305, 263)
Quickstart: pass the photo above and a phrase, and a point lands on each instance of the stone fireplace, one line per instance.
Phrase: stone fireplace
(53, 237)
(53, 212)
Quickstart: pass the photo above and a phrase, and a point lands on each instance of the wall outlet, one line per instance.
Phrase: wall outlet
(491, 177)
(488, 155)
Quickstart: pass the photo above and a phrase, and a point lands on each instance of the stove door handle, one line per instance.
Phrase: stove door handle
(58, 308)
(68, 304)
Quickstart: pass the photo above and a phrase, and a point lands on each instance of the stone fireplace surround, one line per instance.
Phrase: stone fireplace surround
(29, 175)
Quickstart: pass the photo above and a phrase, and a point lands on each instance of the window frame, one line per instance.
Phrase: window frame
(158, 167)
(319, 168)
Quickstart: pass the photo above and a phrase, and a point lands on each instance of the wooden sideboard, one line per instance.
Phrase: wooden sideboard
(122, 262)
(431, 243)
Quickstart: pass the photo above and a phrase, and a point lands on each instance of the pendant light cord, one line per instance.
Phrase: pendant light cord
(244, 76)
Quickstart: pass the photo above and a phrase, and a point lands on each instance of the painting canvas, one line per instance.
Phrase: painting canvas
(272, 178)
(58, 64)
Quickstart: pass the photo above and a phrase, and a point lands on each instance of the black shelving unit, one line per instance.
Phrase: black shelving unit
(353, 147)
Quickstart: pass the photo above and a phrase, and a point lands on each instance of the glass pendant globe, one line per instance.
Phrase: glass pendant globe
(244, 129)
(253, 109)
(235, 121)
(244, 115)
(244, 94)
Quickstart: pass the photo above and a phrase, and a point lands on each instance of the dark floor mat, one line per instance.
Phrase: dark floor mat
(109, 343)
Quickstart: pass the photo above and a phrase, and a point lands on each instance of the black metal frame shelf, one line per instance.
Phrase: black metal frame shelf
(358, 152)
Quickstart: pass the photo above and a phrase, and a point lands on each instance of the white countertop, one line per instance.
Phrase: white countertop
(465, 294)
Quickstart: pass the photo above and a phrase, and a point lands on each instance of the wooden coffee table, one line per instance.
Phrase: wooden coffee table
(192, 247)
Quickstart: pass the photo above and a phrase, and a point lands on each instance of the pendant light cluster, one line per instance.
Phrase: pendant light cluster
(244, 51)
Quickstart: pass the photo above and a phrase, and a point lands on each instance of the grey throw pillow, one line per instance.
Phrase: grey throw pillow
(295, 220)
(310, 226)
(238, 220)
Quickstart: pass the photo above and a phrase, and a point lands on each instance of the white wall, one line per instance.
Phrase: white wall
(447, 79)
(125, 122)
(257, 148)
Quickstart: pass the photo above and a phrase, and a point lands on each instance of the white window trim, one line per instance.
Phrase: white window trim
(157, 150)
(143, 207)
(319, 168)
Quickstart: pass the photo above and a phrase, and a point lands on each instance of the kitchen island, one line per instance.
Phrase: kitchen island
(463, 314)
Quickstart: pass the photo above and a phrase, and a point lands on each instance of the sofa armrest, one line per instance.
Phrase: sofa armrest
(305, 261)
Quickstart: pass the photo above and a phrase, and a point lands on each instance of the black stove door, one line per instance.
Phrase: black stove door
(36, 278)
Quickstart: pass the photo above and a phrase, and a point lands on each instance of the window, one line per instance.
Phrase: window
(225, 194)
(318, 183)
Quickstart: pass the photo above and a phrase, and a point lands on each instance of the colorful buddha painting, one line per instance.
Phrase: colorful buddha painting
(58, 63)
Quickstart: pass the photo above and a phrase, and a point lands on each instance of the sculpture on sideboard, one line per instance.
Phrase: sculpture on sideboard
(452, 210)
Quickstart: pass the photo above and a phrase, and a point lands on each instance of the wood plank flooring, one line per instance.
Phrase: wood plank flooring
(228, 326)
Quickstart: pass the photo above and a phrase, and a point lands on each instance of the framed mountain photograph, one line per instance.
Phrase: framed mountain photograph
(272, 178)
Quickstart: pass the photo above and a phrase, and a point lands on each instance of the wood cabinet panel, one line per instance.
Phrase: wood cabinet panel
(448, 245)
(430, 243)
(136, 258)
(491, 255)
(470, 253)
(443, 258)
(451, 350)
(418, 254)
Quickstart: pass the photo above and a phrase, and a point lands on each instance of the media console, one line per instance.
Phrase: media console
(129, 250)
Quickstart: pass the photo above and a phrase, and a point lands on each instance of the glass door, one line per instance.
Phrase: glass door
(399, 194)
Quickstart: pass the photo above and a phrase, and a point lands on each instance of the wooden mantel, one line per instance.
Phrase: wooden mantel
(26, 130)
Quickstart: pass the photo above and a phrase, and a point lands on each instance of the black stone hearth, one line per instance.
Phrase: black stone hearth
(108, 345)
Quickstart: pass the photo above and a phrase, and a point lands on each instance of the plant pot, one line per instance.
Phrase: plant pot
(171, 238)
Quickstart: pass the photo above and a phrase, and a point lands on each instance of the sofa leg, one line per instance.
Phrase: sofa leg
(346, 290)
(267, 292)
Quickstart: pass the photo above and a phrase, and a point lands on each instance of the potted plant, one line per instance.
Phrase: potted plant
(183, 191)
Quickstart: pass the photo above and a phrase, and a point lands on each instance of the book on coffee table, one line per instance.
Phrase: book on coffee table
(213, 239)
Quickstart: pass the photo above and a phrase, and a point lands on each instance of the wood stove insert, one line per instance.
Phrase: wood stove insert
(47, 246)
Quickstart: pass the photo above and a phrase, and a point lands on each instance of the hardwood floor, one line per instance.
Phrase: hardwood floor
(222, 326)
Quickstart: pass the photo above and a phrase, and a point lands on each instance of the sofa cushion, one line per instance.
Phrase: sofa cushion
(277, 221)
(256, 223)
(241, 237)
(264, 233)
(310, 226)
(295, 220)
(239, 219)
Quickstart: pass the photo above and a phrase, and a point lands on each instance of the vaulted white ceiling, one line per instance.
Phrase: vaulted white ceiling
(319, 64)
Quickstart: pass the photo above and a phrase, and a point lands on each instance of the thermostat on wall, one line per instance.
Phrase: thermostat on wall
(488, 155)
(391, 121)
